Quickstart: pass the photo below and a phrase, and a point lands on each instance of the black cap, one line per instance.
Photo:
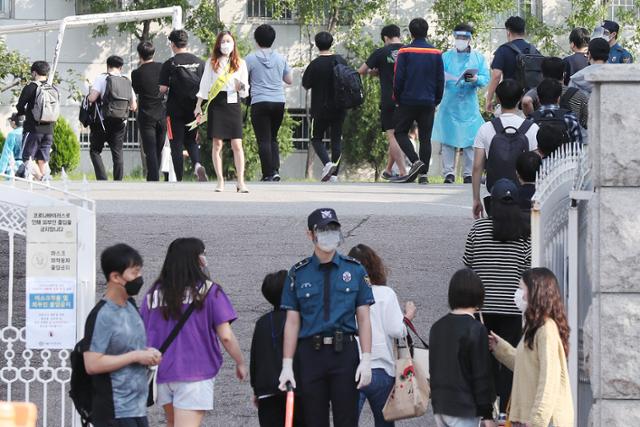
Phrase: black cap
(504, 189)
(322, 217)
(611, 26)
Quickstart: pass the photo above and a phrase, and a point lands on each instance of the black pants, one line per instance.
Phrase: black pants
(328, 377)
(319, 126)
(508, 327)
(183, 138)
(113, 134)
(405, 115)
(152, 133)
(266, 118)
(271, 411)
(123, 422)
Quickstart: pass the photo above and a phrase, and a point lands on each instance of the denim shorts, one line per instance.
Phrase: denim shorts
(188, 395)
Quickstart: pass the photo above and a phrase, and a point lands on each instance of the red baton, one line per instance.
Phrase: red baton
(288, 421)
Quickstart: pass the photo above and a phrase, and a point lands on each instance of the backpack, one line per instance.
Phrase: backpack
(506, 146)
(347, 86)
(46, 107)
(117, 98)
(187, 84)
(88, 112)
(567, 97)
(81, 383)
(528, 65)
(555, 120)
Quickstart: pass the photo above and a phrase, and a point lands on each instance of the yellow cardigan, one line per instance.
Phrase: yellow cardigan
(541, 393)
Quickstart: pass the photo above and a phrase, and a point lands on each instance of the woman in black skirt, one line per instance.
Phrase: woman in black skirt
(224, 82)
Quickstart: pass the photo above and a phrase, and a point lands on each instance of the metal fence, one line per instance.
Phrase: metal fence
(559, 242)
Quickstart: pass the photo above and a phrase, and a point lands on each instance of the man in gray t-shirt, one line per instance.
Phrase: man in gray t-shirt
(115, 352)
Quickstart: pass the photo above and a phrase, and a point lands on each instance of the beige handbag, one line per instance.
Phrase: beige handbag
(409, 397)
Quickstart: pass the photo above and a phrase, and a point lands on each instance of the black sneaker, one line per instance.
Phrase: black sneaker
(449, 179)
(467, 180)
(387, 175)
(267, 179)
(423, 179)
(276, 177)
(416, 168)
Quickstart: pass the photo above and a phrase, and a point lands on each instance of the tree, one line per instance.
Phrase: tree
(204, 22)
(15, 68)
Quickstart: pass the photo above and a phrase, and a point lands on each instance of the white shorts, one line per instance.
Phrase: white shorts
(189, 395)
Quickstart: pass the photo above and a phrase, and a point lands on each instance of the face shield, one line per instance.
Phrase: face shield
(462, 40)
(601, 33)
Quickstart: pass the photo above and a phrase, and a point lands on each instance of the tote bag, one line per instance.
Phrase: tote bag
(420, 354)
(409, 397)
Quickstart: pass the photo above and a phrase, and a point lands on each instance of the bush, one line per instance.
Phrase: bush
(66, 148)
(250, 145)
(2, 138)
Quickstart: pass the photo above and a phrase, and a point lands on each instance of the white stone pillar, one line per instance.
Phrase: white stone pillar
(614, 132)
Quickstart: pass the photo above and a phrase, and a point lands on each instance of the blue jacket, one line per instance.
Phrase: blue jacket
(419, 75)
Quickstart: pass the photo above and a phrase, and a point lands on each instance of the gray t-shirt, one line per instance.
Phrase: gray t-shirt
(118, 330)
(266, 73)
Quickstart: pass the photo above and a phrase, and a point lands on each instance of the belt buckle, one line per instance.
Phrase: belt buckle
(327, 340)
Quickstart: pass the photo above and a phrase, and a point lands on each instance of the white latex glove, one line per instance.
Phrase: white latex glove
(286, 375)
(363, 373)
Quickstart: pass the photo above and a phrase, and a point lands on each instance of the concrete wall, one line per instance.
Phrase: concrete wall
(614, 319)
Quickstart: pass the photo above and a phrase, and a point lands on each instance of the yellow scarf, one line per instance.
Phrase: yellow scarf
(216, 87)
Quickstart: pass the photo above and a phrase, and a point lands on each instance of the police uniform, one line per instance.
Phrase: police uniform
(619, 55)
(327, 296)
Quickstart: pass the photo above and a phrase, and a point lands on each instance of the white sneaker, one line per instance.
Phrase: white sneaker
(328, 171)
(33, 171)
(333, 178)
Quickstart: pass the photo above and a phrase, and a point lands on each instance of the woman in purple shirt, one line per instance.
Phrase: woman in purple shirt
(189, 366)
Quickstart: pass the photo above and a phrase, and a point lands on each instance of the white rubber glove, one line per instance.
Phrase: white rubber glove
(363, 373)
(286, 375)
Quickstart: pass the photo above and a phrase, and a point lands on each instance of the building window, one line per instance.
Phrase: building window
(5, 9)
(616, 7)
(83, 7)
(260, 9)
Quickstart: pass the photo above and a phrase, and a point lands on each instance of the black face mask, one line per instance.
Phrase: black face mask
(134, 286)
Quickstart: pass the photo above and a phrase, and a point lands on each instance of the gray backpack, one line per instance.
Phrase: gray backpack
(46, 107)
(117, 97)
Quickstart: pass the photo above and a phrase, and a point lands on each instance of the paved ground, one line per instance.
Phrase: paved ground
(418, 230)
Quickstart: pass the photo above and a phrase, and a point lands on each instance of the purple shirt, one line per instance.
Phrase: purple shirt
(195, 353)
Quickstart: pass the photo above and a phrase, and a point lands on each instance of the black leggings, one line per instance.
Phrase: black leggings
(266, 118)
(319, 126)
(183, 138)
(405, 115)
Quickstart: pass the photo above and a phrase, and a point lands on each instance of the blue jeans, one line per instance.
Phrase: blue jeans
(377, 393)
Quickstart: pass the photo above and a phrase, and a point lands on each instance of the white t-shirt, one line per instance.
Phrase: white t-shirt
(210, 76)
(386, 324)
(100, 84)
(487, 132)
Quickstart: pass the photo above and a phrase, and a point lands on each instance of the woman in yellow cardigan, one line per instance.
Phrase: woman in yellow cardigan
(541, 394)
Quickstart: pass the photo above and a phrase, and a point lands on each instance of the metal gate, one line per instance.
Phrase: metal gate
(559, 242)
(32, 370)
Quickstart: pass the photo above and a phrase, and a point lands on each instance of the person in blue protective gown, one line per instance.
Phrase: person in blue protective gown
(12, 149)
(458, 117)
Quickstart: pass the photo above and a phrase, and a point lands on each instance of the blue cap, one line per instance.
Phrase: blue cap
(506, 190)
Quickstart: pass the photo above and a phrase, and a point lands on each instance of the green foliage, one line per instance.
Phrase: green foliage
(544, 36)
(250, 146)
(66, 148)
(2, 138)
(204, 22)
(480, 14)
(15, 68)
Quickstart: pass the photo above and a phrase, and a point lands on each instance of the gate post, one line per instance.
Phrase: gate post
(615, 245)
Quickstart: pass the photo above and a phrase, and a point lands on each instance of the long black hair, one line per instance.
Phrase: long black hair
(181, 275)
(509, 223)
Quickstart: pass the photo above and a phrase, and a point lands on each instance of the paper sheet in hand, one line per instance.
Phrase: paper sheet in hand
(472, 71)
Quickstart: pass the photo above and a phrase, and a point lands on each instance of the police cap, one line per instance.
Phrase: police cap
(322, 217)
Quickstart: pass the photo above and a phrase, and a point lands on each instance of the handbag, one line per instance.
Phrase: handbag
(420, 355)
(409, 397)
(153, 373)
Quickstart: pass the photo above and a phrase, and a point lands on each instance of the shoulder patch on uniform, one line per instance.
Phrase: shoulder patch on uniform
(301, 264)
(626, 59)
(350, 259)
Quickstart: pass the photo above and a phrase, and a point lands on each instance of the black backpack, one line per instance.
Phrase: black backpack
(528, 65)
(506, 146)
(117, 98)
(347, 86)
(553, 119)
(185, 82)
(81, 383)
(567, 97)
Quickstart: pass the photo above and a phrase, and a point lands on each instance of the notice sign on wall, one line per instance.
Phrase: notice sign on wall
(51, 277)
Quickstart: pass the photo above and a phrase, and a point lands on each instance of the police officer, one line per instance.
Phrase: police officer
(323, 296)
(609, 31)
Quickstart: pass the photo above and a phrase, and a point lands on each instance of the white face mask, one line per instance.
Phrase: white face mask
(461, 45)
(328, 241)
(518, 299)
(226, 48)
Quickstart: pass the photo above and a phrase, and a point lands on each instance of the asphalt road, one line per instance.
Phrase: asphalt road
(418, 230)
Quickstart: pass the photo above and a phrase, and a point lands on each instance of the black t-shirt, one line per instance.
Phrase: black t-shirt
(24, 106)
(573, 64)
(505, 57)
(384, 60)
(188, 60)
(319, 78)
(144, 81)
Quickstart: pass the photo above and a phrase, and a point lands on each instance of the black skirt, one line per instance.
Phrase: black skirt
(224, 121)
